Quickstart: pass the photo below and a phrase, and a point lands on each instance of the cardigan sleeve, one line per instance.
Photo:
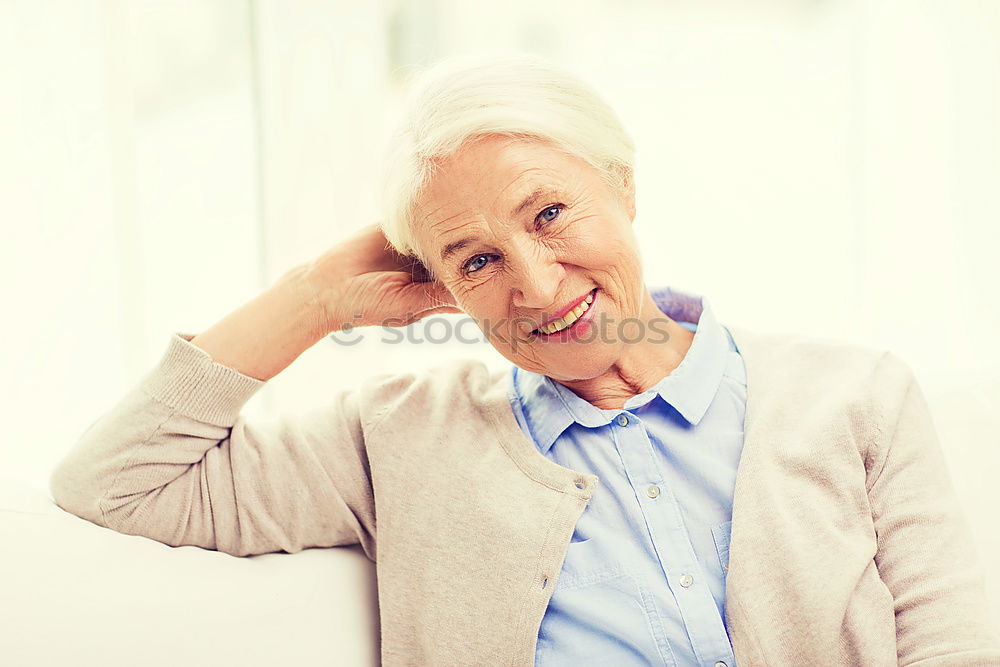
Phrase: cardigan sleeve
(926, 554)
(176, 461)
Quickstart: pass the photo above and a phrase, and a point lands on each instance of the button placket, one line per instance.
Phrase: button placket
(663, 519)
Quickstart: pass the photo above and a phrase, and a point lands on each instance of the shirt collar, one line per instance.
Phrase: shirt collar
(550, 407)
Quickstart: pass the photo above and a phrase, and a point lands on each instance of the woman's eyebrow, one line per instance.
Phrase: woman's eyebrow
(455, 246)
(535, 195)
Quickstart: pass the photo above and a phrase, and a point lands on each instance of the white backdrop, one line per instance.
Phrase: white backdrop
(825, 167)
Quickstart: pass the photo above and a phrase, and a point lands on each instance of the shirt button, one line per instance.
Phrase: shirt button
(687, 580)
(652, 490)
(622, 420)
(720, 664)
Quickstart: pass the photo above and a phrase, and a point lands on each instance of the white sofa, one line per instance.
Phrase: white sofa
(75, 593)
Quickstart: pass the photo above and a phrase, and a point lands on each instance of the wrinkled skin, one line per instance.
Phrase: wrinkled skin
(521, 268)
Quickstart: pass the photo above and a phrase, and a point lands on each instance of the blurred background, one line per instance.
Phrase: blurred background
(819, 167)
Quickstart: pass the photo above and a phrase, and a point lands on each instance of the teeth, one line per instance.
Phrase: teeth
(569, 318)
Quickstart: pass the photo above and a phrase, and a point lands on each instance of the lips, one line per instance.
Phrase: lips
(563, 311)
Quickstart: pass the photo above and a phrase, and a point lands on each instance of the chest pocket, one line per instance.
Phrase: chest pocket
(598, 593)
(721, 532)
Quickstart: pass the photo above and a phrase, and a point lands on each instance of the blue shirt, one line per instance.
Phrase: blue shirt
(643, 582)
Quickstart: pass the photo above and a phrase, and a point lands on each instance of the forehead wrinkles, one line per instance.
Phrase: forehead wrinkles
(458, 220)
(527, 171)
(452, 222)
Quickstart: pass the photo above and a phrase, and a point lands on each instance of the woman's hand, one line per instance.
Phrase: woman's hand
(363, 281)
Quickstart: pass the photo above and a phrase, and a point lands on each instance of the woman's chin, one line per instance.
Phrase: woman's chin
(577, 366)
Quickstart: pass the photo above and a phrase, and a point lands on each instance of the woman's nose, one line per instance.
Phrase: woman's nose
(538, 284)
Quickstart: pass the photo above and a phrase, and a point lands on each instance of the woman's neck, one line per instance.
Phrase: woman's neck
(642, 364)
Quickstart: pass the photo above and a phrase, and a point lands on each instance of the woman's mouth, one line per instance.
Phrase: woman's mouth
(570, 320)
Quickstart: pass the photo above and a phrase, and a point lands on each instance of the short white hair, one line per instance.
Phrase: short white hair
(458, 99)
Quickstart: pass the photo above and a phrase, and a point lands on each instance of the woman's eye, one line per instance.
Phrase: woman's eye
(555, 207)
(474, 264)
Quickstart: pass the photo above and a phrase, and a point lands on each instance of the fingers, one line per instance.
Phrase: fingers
(427, 296)
(418, 272)
(440, 309)
(440, 295)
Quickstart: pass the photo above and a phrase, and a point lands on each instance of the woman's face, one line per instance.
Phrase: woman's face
(518, 231)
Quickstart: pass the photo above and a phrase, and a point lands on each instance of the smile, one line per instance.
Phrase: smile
(567, 320)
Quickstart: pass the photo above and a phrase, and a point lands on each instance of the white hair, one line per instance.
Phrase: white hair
(521, 96)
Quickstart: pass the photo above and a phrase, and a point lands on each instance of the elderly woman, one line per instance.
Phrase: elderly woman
(642, 486)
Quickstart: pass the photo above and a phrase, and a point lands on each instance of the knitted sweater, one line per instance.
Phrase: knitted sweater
(848, 545)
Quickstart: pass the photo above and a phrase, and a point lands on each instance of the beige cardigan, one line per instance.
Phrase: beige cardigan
(848, 545)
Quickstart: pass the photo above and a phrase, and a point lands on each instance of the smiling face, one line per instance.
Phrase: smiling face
(520, 232)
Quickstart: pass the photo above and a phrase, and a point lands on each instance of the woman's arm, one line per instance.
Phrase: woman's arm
(262, 337)
(360, 281)
(176, 461)
(926, 552)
